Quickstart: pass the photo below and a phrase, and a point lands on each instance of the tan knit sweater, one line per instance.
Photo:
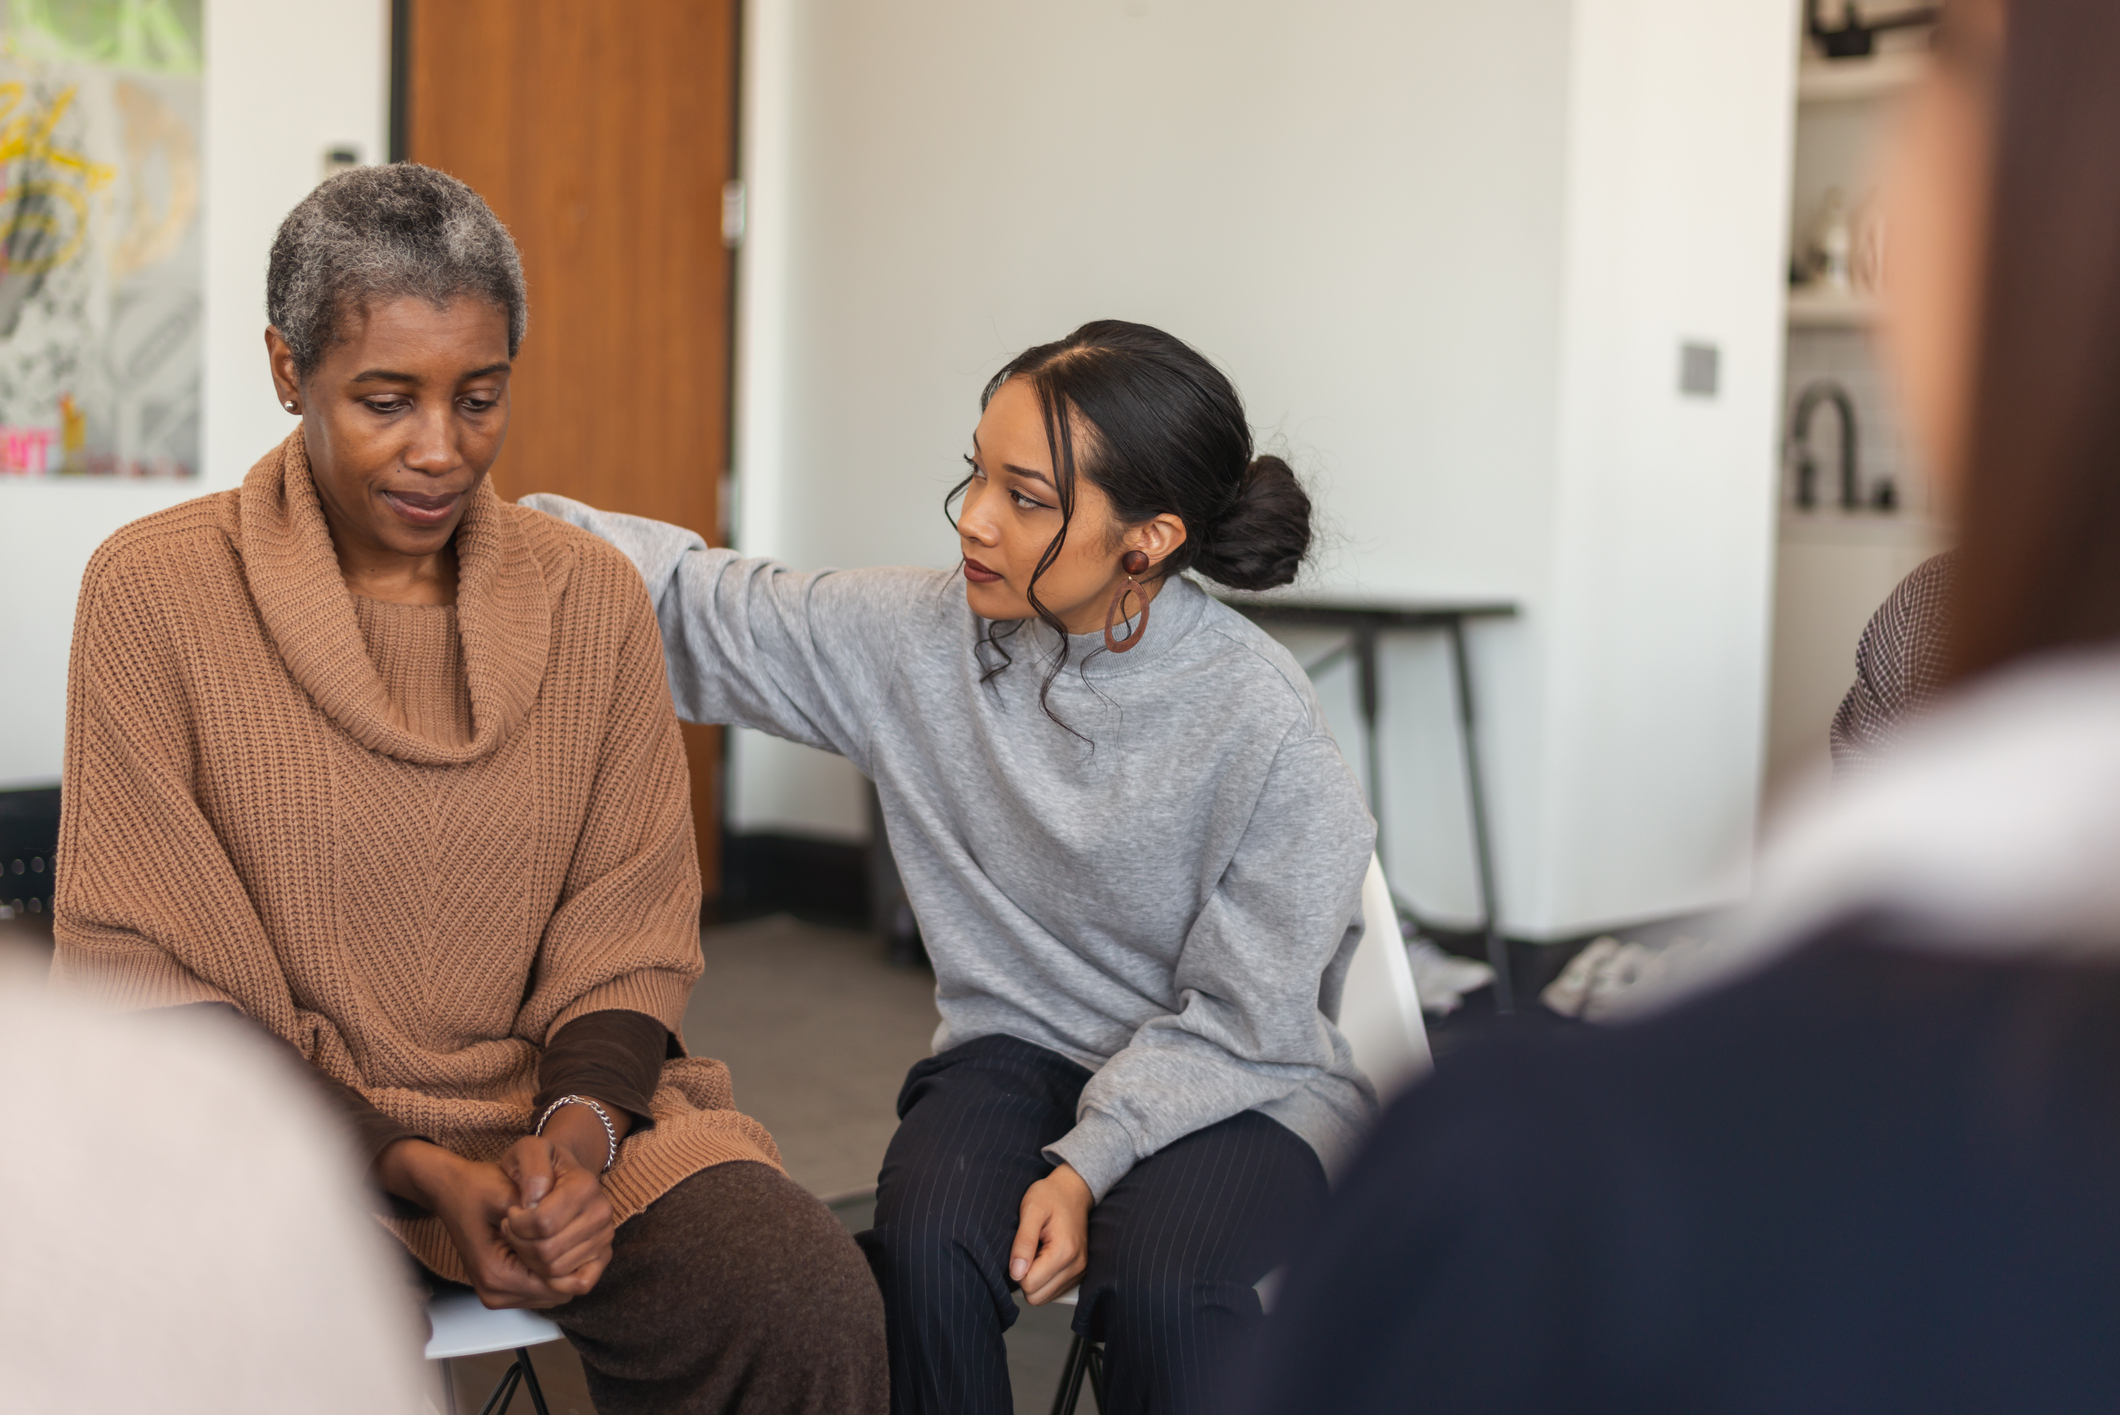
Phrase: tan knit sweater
(412, 842)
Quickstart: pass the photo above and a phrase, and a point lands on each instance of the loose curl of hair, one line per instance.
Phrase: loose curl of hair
(381, 233)
(1160, 431)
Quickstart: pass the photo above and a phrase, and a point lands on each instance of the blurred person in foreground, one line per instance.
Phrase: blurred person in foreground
(1876, 1165)
(161, 1264)
(388, 766)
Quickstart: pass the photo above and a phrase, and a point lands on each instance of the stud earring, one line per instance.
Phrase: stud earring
(1133, 563)
(289, 405)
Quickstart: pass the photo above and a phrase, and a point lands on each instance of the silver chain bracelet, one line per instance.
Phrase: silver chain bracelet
(610, 1130)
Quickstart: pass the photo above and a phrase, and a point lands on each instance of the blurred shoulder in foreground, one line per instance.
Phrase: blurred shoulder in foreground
(1871, 1168)
(185, 1235)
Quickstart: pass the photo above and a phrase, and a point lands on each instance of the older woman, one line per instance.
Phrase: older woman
(390, 767)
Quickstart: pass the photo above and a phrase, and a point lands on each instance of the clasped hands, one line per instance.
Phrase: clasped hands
(533, 1230)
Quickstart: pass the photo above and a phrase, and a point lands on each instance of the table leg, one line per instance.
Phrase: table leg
(1367, 696)
(1482, 847)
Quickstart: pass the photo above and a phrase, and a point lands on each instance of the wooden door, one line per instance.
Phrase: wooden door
(601, 132)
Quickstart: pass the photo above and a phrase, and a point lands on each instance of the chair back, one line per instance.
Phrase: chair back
(1380, 1015)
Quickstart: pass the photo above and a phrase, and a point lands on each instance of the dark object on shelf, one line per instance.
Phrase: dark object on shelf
(1857, 37)
(1886, 496)
(1364, 622)
(29, 838)
(1825, 390)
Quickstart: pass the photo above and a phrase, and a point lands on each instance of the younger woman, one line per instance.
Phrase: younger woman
(1134, 851)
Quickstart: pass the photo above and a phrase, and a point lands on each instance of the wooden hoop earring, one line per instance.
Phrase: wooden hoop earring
(1133, 563)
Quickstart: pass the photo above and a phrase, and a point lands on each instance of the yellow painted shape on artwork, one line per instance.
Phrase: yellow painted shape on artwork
(151, 128)
(27, 136)
(73, 427)
(66, 236)
(55, 234)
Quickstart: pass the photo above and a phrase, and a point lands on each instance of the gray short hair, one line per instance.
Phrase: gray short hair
(379, 233)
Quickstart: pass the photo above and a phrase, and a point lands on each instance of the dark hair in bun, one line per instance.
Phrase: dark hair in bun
(1262, 538)
(1159, 430)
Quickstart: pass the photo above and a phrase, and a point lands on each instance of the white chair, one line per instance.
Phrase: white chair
(1380, 1015)
(464, 1326)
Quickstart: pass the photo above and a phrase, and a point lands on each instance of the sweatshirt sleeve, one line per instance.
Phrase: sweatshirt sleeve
(1251, 977)
(625, 935)
(752, 642)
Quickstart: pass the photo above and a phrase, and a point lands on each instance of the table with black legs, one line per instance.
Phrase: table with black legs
(1364, 621)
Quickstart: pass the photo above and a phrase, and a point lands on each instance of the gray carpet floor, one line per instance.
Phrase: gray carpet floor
(817, 1032)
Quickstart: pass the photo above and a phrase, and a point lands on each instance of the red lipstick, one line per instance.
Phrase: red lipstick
(978, 574)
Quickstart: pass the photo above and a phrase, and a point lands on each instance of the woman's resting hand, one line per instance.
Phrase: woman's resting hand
(472, 1200)
(1052, 1236)
(560, 1226)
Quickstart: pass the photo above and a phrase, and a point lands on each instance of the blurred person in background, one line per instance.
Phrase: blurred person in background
(190, 1237)
(1902, 667)
(388, 767)
(1874, 1164)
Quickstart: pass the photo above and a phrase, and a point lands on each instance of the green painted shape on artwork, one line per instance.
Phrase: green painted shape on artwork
(154, 36)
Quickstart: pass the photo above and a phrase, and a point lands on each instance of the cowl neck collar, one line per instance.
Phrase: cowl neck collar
(503, 610)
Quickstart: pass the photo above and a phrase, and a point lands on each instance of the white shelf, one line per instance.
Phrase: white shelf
(1826, 309)
(1829, 525)
(1855, 80)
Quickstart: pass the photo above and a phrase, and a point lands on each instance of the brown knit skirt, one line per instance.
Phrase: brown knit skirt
(736, 1293)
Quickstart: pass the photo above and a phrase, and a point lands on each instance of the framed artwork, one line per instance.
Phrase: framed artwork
(102, 256)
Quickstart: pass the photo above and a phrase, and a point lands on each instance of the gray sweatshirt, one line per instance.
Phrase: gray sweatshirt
(1171, 903)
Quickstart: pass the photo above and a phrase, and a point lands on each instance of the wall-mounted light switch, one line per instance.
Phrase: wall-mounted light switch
(337, 158)
(1699, 370)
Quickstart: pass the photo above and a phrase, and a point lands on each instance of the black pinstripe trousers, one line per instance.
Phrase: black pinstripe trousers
(1174, 1248)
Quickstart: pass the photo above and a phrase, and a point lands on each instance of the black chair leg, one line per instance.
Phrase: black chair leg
(1083, 1360)
(537, 1392)
(497, 1403)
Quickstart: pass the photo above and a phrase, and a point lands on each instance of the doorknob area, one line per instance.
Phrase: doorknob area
(733, 212)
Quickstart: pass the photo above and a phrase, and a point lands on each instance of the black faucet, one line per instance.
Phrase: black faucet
(1857, 38)
(1824, 390)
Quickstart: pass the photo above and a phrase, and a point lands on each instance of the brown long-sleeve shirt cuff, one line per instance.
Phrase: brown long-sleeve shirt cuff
(614, 1056)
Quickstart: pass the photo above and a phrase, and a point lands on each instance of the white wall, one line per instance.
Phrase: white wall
(285, 79)
(1447, 251)
(1659, 610)
(1354, 207)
